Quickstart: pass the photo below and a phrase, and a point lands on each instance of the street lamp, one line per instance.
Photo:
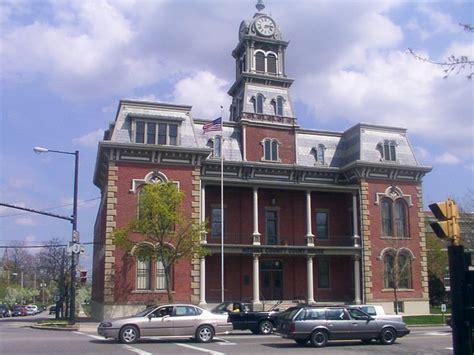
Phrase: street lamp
(75, 234)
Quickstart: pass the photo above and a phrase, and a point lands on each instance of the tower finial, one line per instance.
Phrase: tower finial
(260, 5)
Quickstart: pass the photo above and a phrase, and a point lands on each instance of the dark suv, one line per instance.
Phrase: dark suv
(320, 324)
(5, 311)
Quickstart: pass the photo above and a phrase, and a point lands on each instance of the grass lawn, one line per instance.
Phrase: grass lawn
(432, 319)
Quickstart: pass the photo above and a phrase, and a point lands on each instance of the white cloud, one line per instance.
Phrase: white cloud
(91, 139)
(205, 92)
(447, 158)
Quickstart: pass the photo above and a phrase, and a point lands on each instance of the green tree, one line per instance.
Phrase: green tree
(161, 231)
(437, 255)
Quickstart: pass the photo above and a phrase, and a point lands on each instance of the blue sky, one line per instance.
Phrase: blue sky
(64, 65)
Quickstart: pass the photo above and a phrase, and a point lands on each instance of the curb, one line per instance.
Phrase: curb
(61, 329)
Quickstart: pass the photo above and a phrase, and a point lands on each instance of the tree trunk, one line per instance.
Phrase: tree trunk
(168, 282)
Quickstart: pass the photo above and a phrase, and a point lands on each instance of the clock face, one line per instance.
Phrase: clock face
(265, 26)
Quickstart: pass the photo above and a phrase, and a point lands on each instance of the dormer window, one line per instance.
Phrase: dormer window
(387, 150)
(162, 133)
(319, 154)
(270, 149)
(278, 105)
(215, 144)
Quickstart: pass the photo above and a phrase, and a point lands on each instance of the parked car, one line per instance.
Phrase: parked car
(19, 311)
(5, 311)
(376, 311)
(167, 320)
(242, 316)
(320, 324)
(52, 310)
(32, 309)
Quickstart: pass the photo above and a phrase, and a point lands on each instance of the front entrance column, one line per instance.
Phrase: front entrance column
(256, 234)
(202, 282)
(309, 234)
(203, 212)
(310, 278)
(355, 225)
(256, 279)
(357, 299)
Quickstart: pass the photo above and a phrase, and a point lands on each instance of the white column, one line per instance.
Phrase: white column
(256, 234)
(203, 210)
(357, 298)
(202, 282)
(310, 278)
(309, 234)
(256, 279)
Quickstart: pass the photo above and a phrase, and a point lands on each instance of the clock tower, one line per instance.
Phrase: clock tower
(261, 88)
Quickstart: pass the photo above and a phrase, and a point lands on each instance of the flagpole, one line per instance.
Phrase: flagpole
(222, 205)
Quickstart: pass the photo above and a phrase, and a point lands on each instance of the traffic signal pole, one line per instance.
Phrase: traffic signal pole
(461, 332)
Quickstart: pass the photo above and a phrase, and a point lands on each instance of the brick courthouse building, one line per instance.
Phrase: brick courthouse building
(308, 214)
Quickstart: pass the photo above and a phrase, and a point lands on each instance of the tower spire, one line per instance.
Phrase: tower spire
(260, 5)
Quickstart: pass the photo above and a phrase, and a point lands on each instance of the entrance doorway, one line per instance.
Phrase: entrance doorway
(271, 276)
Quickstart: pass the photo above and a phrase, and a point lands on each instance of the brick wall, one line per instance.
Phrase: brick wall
(254, 149)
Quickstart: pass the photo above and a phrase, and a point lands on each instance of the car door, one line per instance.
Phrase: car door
(363, 326)
(185, 320)
(157, 323)
(239, 316)
(338, 323)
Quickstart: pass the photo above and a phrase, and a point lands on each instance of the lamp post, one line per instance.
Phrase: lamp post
(75, 234)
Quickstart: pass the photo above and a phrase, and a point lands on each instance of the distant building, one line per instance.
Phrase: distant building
(309, 215)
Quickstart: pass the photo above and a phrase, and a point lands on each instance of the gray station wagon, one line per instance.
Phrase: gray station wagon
(167, 320)
(320, 324)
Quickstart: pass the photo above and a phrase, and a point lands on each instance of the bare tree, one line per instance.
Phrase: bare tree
(454, 63)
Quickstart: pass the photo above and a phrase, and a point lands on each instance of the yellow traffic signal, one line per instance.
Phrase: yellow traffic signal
(447, 214)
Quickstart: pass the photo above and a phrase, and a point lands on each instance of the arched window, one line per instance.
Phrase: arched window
(272, 63)
(279, 106)
(259, 104)
(394, 218)
(143, 274)
(260, 62)
(404, 270)
(401, 220)
(270, 149)
(386, 217)
(388, 270)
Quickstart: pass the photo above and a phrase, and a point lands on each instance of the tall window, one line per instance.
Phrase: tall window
(160, 276)
(322, 225)
(272, 63)
(401, 275)
(388, 270)
(259, 104)
(260, 61)
(271, 219)
(216, 222)
(279, 106)
(387, 150)
(323, 273)
(156, 133)
(143, 274)
(394, 214)
(270, 150)
(217, 146)
(404, 267)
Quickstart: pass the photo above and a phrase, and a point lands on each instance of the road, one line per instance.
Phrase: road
(16, 337)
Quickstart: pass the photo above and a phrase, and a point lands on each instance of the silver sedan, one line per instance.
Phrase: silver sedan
(167, 320)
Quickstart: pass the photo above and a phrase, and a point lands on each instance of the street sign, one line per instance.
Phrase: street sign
(56, 298)
(75, 236)
(74, 248)
(443, 308)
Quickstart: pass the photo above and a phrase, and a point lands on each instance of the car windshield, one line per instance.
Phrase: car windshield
(223, 307)
(144, 312)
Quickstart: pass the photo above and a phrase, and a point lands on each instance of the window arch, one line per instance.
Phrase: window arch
(272, 63)
(319, 154)
(394, 216)
(270, 149)
(215, 144)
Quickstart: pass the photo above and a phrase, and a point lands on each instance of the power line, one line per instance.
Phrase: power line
(50, 208)
(42, 246)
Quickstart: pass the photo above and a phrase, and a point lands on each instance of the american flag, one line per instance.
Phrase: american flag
(215, 125)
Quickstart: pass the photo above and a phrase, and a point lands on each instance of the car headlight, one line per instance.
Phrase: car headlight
(105, 325)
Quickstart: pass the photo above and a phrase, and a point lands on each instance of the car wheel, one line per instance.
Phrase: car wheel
(388, 336)
(204, 334)
(265, 327)
(319, 338)
(128, 334)
(301, 341)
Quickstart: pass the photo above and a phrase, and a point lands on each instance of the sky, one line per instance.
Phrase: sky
(64, 66)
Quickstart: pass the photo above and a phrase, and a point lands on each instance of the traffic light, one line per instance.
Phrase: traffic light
(83, 276)
(447, 214)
